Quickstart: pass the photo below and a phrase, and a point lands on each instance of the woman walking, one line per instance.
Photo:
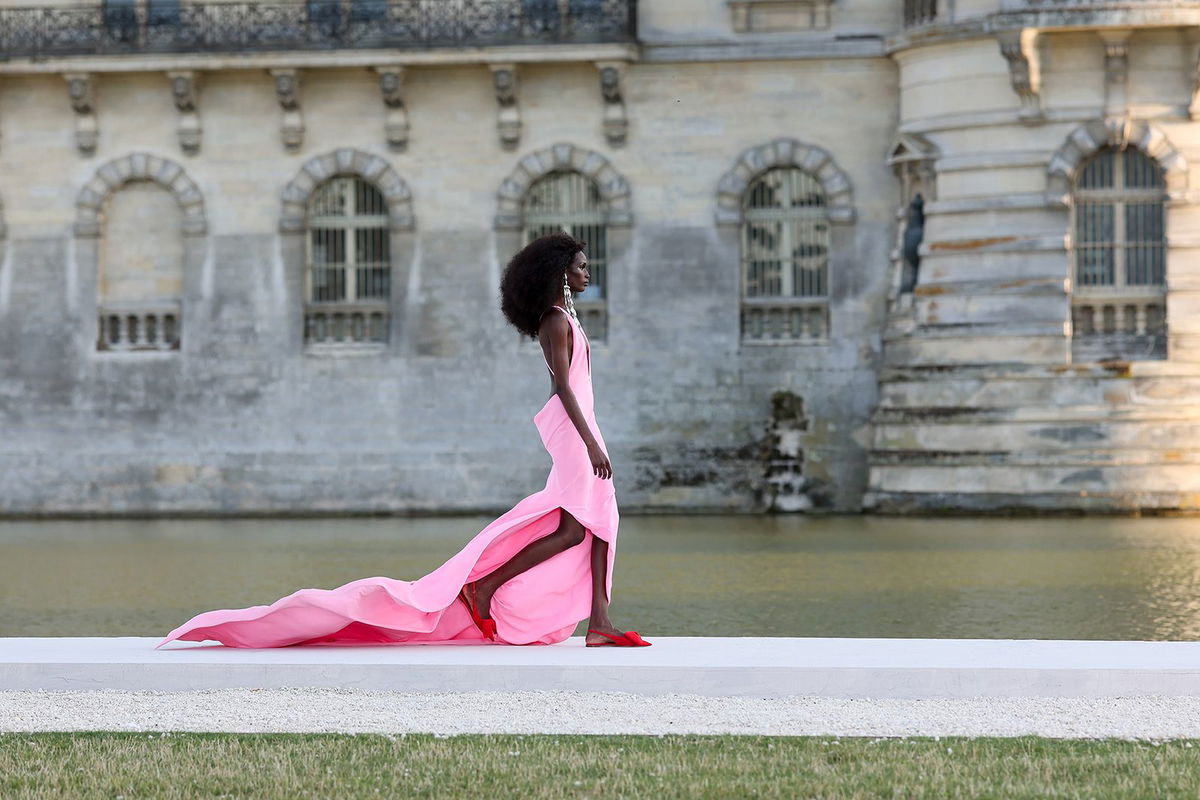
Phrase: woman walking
(531, 575)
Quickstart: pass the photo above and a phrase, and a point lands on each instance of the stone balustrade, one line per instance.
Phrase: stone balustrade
(128, 327)
(346, 324)
(777, 320)
(1118, 327)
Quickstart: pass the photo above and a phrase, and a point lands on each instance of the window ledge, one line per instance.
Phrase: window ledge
(787, 342)
(345, 349)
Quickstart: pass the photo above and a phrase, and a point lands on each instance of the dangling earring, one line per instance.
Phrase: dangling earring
(567, 298)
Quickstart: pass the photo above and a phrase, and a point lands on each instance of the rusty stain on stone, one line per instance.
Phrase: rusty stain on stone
(971, 244)
(1018, 283)
(1118, 369)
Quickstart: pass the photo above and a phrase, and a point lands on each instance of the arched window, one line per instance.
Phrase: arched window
(785, 258)
(571, 203)
(1118, 304)
(140, 269)
(348, 279)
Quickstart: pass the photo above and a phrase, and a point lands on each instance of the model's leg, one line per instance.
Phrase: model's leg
(569, 533)
(599, 619)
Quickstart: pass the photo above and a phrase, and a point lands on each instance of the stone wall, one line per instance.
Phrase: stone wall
(984, 405)
(242, 419)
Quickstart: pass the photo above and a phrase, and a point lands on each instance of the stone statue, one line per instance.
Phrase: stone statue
(914, 232)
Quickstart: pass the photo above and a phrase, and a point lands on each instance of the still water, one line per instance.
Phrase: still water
(1095, 578)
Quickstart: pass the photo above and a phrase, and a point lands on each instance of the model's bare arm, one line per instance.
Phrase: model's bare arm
(555, 335)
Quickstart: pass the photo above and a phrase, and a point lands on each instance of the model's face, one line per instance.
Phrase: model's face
(578, 276)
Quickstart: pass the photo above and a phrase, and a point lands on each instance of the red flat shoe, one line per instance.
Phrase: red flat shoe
(627, 639)
(488, 625)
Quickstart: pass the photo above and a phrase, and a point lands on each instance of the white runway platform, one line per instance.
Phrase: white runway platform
(903, 669)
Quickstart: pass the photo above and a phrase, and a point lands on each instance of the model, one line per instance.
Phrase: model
(531, 575)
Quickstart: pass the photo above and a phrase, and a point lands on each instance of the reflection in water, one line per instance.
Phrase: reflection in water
(1050, 578)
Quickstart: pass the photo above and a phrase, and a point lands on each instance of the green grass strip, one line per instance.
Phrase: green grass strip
(124, 766)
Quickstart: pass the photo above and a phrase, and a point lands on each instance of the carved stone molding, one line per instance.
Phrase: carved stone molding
(346, 161)
(508, 116)
(612, 79)
(183, 91)
(1121, 133)
(139, 167)
(839, 195)
(1116, 71)
(395, 119)
(81, 93)
(287, 91)
(1019, 48)
(912, 158)
(1194, 100)
(779, 15)
(563, 157)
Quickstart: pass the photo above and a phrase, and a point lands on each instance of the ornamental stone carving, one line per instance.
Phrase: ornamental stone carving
(616, 124)
(1024, 70)
(287, 92)
(395, 119)
(508, 115)
(1121, 133)
(81, 93)
(839, 196)
(139, 167)
(1194, 100)
(562, 157)
(346, 161)
(1116, 71)
(183, 91)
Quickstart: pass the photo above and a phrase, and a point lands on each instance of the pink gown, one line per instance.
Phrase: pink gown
(540, 606)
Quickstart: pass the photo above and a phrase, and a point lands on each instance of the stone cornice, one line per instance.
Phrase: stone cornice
(1144, 14)
(365, 58)
(765, 49)
(1110, 15)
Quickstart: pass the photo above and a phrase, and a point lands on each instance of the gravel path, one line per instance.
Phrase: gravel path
(361, 711)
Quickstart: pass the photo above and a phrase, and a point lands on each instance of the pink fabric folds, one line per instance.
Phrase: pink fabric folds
(542, 605)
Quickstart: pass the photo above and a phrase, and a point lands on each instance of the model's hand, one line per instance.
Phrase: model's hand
(600, 464)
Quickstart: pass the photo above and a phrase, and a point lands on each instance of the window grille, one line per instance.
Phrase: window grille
(569, 202)
(1119, 258)
(348, 279)
(919, 12)
(785, 258)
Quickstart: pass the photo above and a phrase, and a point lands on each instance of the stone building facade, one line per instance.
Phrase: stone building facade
(250, 251)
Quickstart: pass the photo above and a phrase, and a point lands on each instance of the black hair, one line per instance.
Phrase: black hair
(533, 278)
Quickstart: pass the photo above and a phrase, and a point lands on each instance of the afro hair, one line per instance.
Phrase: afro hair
(533, 279)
